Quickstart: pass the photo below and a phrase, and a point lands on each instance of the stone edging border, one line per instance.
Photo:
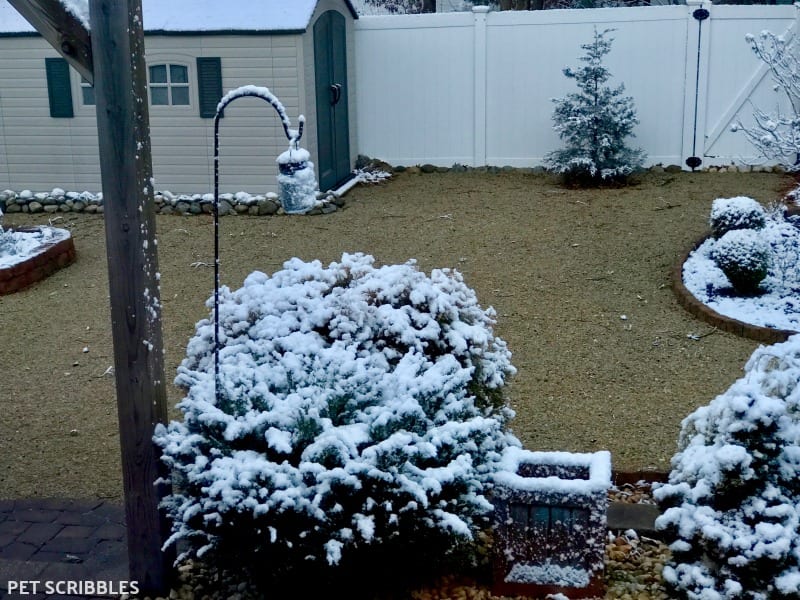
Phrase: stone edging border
(687, 300)
(540, 170)
(54, 257)
(166, 203)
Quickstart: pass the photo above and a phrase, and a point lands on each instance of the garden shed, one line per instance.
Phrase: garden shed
(196, 50)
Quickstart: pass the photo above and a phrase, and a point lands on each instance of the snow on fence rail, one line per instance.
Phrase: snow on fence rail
(476, 88)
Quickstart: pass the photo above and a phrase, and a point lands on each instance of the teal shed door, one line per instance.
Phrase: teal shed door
(333, 130)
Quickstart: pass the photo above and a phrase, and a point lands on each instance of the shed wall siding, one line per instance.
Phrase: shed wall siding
(251, 136)
(38, 152)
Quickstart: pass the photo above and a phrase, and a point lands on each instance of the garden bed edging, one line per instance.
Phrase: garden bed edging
(166, 203)
(688, 301)
(51, 257)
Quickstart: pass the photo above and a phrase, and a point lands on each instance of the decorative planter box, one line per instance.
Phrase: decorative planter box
(54, 252)
(550, 523)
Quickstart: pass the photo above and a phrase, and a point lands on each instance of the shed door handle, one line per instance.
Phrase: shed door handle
(336, 92)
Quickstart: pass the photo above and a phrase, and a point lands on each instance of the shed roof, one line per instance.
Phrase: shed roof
(199, 16)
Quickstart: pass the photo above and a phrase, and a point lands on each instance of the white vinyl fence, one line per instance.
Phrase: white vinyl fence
(476, 88)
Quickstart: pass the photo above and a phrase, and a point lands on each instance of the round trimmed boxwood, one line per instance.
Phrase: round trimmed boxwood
(743, 255)
(740, 212)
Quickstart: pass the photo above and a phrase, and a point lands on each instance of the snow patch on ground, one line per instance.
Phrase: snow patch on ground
(548, 574)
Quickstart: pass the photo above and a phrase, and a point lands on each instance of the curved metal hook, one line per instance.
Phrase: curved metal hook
(272, 101)
(294, 137)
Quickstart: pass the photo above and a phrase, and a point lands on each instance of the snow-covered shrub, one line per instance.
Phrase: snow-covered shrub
(594, 123)
(359, 408)
(785, 257)
(740, 212)
(776, 305)
(733, 497)
(743, 255)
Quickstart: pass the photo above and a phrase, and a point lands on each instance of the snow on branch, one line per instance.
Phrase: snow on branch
(776, 136)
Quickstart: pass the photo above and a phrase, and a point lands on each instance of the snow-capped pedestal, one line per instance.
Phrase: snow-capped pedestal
(550, 523)
(297, 181)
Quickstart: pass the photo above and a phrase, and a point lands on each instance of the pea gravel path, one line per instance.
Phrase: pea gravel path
(579, 279)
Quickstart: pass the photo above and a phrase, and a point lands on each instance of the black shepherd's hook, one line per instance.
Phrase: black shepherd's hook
(293, 137)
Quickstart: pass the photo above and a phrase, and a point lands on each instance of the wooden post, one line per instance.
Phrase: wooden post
(117, 68)
(123, 131)
(62, 30)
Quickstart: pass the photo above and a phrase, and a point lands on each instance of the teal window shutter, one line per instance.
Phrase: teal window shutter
(209, 85)
(59, 90)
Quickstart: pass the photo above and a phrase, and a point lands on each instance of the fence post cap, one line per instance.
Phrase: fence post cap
(480, 8)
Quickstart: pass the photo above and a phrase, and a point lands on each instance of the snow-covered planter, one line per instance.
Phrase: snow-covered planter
(740, 212)
(743, 255)
(732, 504)
(360, 408)
(550, 523)
(297, 181)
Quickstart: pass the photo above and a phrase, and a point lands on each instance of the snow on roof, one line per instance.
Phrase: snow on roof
(184, 16)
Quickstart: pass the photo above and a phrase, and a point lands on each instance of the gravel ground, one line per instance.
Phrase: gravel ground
(579, 279)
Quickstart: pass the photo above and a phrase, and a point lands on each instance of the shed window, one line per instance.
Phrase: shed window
(87, 92)
(169, 85)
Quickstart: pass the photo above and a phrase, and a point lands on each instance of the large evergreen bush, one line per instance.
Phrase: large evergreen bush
(594, 123)
(360, 408)
(732, 504)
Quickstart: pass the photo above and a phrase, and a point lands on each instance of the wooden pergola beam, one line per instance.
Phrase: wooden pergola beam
(118, 71)
(62, 30)
(126, 170)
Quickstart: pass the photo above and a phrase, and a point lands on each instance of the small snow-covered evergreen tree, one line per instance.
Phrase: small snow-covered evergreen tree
(732, 503)
(359, 409)
(594, 123)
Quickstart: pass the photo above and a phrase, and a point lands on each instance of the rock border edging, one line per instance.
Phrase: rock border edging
(692, 305)
(268, 204)
(540, 170)
(166, 203)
